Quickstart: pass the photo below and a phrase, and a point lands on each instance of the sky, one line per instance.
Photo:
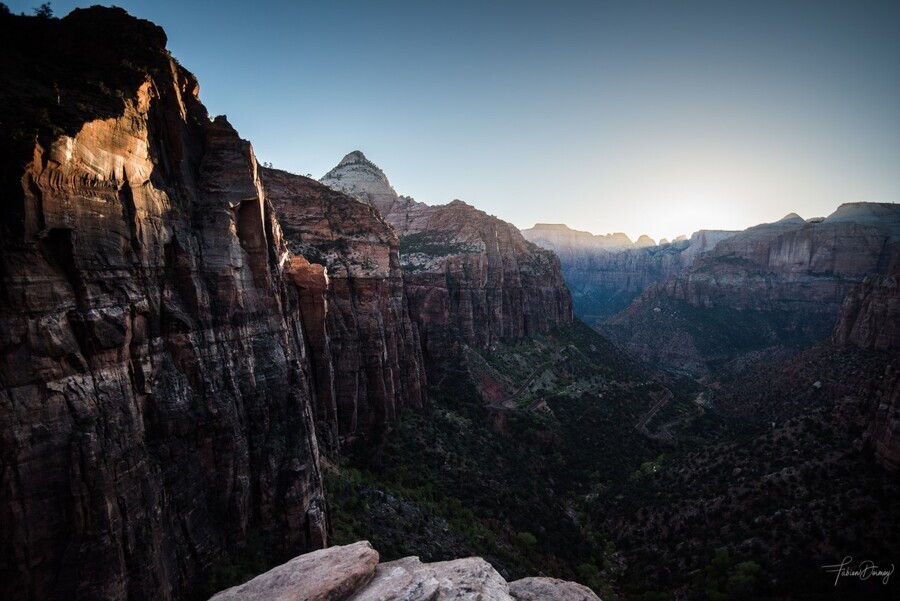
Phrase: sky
(642, 117)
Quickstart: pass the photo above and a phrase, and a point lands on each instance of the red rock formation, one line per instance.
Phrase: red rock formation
(372, 343)
(154, 403)
(470, 277)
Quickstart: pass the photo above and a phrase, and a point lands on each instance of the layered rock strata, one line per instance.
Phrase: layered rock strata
(774, 284)
(870, 319)
(169, 346)
(154, 399)
(353, 572)
(366, 353)
(606, 273)
(470, 278)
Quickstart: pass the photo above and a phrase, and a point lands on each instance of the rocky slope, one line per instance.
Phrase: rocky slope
(797, 472)
(470, 277)
(353, 572)
(771, 286)
(606, 273)
(366, 353)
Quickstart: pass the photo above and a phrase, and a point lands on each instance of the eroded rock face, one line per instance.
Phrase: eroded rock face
(606, 273)
(154, 400)
(368, 363)
(773, 284)
(350, 572)
(870, 314)
(870, 319)
(470, 278)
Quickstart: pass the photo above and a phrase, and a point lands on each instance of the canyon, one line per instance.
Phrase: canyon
(606, 273)
(214, 372)
(186, 334)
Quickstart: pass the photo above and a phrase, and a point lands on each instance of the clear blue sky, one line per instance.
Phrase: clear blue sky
(642, 117)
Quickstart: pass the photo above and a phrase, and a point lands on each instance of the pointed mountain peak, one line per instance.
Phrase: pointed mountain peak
(351, 158)
(358, 176)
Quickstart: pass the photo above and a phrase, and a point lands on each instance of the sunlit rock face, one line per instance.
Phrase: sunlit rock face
(154, 393)
(470, 278)
(606, 273)
(778, 284)
(367, 355)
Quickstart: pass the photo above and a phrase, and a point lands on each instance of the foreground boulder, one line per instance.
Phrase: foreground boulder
(353, 572)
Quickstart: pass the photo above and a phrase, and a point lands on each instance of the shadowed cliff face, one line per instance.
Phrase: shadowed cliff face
(368, 359)
(470, 277)
(870, 319)
(154, 398)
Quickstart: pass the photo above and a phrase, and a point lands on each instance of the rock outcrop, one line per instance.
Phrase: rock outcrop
(870, 314)
(352, 572)
(155, 410)
(367, 358)
(606, 273)
(470, 278)
(772, 285)
(870, 319)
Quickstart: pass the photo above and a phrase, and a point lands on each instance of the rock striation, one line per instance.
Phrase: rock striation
(606, 273)
(155, 402)
(181, 330)
(470, 278)
(352, 572)
(773, 284)
(366, 355)
(870, 319)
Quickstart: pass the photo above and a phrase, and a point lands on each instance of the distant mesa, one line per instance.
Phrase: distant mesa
(865, 212)
(556, 236)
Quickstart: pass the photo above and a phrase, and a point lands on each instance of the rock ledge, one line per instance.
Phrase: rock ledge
(353, 572)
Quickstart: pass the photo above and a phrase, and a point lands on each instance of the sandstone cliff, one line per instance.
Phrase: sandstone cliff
(353, 572)
(870, 319)
(366, 352)
(154, 399)
(176, 324)
(470, 277)
(606, 273)
(773, 285)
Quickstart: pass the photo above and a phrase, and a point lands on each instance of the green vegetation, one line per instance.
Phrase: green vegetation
(463, 478)
(434, 244)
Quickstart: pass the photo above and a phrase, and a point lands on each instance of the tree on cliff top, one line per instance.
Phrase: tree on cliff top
(44, 11)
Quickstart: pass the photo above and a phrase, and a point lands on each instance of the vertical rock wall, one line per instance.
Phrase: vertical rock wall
(154, 400)
(369, 362)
